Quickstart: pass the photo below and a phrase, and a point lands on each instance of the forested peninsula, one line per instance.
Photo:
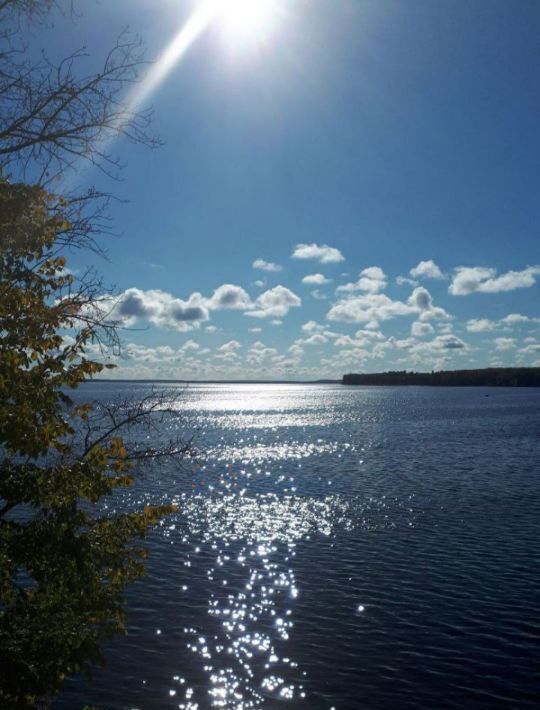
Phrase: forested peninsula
(488, 377)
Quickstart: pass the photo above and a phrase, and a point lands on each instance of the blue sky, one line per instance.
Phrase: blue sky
(388, 150)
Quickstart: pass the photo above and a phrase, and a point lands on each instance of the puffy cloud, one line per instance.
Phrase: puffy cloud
(316, 339)
(311, 326)
(421, 299)
(484, 325)
(403, 344)
(159, 354)
(318, 295)
(229, 297)
(531, 348)
(275, 303)
(361, 339)
(448, 342)
(418, 329)
(445, 327)
(254, 330)
(317, 279)
(189, 345)
(427, 270)
(296, 349)
(505, 343)
(160, 308)
(374, 307)
(404, 281)
(231, 346)
(480, 279)
(480, 325)
(515, 318)
(372, 280)
(322, 253)
(430, 348)
(259, 352)
(368, 309)
(266, 265)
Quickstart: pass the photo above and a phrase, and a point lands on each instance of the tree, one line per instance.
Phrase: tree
(64, 563)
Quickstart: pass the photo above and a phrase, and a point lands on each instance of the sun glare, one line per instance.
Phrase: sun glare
(245, 20)
(242, 23)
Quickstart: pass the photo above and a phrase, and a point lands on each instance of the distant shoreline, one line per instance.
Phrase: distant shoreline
(222, 382)
(486, 377)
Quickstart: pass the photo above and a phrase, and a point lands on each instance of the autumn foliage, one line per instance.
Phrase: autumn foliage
(64, 562)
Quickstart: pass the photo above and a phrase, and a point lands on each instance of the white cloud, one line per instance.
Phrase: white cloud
(296, 349)
(374, 307)
(372, 280)
(160, 308)
(403, 344)
(275, 303)
(515, 318)
(441, 343)
(316, 339)
(480, 325)
(266, 265)
(258, 352)
(418, 329)
(368, 309)
(229, 297)
(484, 325)
(317, 279)
(427, 270)
(448, 342)
(480, 279)
(231, 346)
(254, 330)
(531, 348)
(505, 343)
(422, 301)
(189, 345)
(322, 253)
(445, 327)
(362, 339)
(311, 326)
(404, 281)
(318, 295)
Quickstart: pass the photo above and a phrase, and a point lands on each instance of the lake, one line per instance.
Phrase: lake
(335, 547)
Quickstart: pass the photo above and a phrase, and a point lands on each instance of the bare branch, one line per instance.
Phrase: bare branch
(51, 116)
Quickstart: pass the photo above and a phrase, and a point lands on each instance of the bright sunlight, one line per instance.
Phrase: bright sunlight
(245, 20)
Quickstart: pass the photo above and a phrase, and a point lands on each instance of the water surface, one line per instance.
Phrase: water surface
(336, 547)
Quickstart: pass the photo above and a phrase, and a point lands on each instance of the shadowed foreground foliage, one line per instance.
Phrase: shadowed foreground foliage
(64, 564)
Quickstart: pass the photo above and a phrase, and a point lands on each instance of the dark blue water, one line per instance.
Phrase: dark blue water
(337, 548)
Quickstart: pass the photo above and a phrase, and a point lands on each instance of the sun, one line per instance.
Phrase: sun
(245, 20)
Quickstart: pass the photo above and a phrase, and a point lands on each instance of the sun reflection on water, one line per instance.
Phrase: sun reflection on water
(253, 538)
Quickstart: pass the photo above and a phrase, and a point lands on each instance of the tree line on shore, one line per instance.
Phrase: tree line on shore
(487, 377)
